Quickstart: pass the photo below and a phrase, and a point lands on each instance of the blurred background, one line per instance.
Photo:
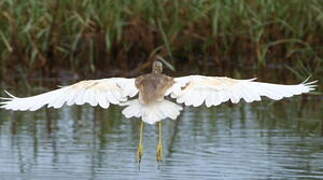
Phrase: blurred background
(120, 38)
(46, 43)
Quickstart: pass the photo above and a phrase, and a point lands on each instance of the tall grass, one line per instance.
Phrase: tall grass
(124, 35)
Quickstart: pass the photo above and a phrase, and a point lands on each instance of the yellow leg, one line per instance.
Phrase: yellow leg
(140, 150)
(159, 154)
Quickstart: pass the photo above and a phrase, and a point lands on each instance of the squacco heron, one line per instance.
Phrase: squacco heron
(150, 104)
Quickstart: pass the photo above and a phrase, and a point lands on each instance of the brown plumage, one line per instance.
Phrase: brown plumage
(152, 86)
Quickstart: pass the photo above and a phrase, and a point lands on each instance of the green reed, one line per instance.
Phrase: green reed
(88, 36)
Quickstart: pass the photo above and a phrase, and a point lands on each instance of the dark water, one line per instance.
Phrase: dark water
(264, 140)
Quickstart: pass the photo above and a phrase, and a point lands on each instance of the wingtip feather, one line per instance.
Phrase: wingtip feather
(310, 85)
(9, 94)
(5, 98)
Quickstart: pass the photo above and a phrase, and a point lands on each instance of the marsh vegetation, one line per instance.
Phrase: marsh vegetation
(121, 37)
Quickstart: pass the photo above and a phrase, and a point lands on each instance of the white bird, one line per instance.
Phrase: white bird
(151, 106)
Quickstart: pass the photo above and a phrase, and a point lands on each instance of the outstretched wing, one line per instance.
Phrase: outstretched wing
(101, 92)
(195, 90)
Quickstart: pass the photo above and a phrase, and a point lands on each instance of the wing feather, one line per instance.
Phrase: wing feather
(196, 90)
(94, 92)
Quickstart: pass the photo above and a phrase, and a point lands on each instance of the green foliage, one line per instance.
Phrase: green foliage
(90, 35)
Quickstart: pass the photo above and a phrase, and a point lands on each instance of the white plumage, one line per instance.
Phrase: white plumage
(94, 92)
(152, 113)
(193, 90)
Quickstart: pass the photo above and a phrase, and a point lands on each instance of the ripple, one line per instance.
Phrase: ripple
(219, 143)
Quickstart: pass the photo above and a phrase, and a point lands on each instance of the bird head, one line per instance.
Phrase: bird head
(157, 67)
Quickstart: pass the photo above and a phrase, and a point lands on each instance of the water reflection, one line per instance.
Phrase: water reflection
(246, 141)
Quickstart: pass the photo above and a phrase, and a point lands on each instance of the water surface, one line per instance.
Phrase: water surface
(263, 140)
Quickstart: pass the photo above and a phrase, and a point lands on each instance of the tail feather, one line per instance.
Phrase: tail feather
(152, 113)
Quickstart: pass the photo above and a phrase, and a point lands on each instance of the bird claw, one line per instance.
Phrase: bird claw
(159, 154)
(140, 152)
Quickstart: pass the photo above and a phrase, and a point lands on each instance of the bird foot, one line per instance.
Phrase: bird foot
(140, 152)
(159, 153)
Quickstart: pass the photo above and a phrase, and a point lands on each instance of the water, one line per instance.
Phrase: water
(263, 140)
